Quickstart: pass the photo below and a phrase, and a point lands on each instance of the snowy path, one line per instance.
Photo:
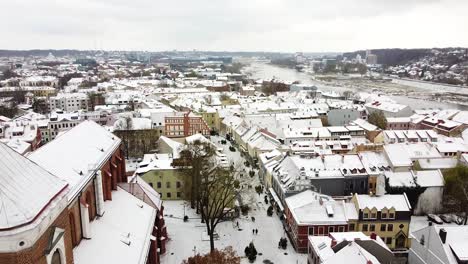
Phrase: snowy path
(186, 238)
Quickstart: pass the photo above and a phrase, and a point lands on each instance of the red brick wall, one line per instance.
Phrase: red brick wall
(35, 255)
(74, 212)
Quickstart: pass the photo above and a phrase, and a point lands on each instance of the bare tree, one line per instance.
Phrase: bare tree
(218, 191)
(194, 158)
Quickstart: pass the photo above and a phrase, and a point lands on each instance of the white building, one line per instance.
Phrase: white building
(69, 102)
(439, 245)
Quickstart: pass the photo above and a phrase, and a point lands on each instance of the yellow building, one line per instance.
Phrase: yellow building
(388, 216)
(210, 117)
(158, 172)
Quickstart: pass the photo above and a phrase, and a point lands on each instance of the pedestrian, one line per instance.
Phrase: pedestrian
(237, 224)
(253, 231)
(256, 231)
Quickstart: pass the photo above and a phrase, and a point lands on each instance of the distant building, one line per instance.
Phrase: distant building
(371, 59)
(69, 102)
(185, 124)
(341, 117)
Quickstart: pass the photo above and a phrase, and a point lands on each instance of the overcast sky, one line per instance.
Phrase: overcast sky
(233, 25)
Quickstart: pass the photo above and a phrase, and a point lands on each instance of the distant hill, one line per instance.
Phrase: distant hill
(391, 57)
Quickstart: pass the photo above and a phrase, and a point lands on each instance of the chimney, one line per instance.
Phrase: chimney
(333, 243)
(443, 235)
(373, 236)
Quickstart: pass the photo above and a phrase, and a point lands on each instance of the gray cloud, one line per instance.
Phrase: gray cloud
(275, 25)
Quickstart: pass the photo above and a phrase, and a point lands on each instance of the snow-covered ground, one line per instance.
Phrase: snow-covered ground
(187, 238)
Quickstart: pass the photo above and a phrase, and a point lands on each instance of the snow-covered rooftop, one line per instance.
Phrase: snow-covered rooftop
(119, 237)
(76, 154)
(26, 189)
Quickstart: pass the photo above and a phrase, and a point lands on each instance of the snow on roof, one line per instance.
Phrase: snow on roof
(440, 163)
(125, 236)
(429, 178)
(455, 246)
(352, 236)
(365, 125)
(18, 145)
(174, 145)
(197, 137)
(26, 189)
(461, 117)
(155, 162)
(352, 254)
(309, 207)
(337, 129)
(77, 154)
(397, 201)
(398, 119)
(451, 147)
(403, 154)
(386, 106)
(374, 162)
(322, 246)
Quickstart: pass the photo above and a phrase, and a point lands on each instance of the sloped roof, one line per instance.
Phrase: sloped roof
(26, 189)
(76, 154)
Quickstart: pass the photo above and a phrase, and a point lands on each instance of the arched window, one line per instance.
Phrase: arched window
(56, 258)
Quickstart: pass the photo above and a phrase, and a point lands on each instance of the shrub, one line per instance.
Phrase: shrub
(283, 243)
(270, 211)
(245, 209)
(251, 252)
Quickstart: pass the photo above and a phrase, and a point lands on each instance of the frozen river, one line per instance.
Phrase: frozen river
(267, 71)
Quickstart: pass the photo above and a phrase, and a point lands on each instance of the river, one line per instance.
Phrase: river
(268, 71)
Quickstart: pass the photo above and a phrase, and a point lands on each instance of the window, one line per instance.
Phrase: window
(341, 228)
(365, 227)
(331, 229)
(372, 227)
(365, 216)
(320, 230)
(391, 215)
(373, 216)
(168, 184)
(178, 184)
(178, 195)
(384, 216)
(388, 240)
(158, 184)
(351, 227)
(168, 195)
(56, 257)
(383, 227)
(390, 227)
(311, 231)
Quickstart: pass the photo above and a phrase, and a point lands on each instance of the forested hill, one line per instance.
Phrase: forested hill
(391, 57)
